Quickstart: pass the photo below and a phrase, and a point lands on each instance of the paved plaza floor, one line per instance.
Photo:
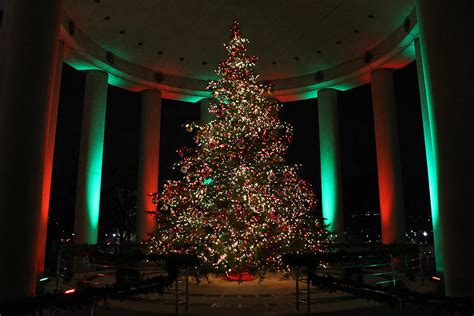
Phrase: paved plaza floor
(275, 295)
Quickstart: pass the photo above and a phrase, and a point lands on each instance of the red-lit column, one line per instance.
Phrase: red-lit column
(89, 174)
(148, 161)
(206, 116)
(388, 157)
(48, 162)
(331, 185)
(447, 50)
(29, 69)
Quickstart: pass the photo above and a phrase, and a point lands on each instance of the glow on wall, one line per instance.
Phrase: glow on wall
(330, 160)
(426, 109)
(90, 159)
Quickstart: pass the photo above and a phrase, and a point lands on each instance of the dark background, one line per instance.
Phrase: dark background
(359, 166)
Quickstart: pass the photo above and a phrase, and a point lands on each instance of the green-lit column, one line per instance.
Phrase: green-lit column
(90, 158)
(331, 186)
(447, 51)
(30, 54)
(432, 179)
(206, 116)
(148, 161)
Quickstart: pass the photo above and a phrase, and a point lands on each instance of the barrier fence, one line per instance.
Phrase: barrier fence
(376, 274)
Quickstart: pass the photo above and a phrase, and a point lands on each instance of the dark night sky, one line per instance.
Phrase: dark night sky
(359, 168)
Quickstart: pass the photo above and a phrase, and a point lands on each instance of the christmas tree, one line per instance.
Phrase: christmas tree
(239, 206)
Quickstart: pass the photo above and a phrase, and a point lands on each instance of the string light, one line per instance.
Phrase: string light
(239, 206)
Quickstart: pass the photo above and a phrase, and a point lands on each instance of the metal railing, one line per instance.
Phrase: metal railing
(370, 270)
(78, 270)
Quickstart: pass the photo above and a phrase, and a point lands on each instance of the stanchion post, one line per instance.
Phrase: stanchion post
(392, 264)
(187, 288)
(177, 293)
(308, 294)
(422, 272)
(93, 307)
(297, 289)
(401, 306)
(58, 271)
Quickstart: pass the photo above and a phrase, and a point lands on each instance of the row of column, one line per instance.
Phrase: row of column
(444, 56)
(90, 159)
(30, 79)
(388, 159)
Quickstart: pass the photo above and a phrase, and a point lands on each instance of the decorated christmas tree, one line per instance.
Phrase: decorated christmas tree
(239, 206)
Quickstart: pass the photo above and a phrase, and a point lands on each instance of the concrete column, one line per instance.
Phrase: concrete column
(29, 70)
(388, 157)
(89, 174)
(148, 161)
(48, 162)
(331, 185)
(6, 9)
(447, 51)
(430, 163)
(206, 117)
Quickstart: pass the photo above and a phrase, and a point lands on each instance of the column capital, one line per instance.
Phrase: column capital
(382, 70)
(208, 99)
(328, 96)
(323, 90)
(98, 71)
(151, 91)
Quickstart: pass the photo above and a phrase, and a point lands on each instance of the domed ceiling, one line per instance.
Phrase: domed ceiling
(290, 37)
